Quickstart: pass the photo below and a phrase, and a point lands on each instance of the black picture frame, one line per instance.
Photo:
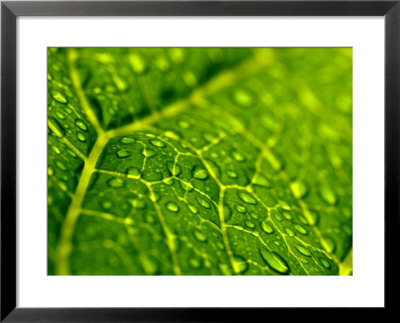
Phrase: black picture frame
(10, 10)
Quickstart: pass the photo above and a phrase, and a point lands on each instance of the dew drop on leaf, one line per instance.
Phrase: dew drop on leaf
(157, 143)
(171, 206)
(250, 224)
(238, 156)
(60, 165)
(328, 195)
(203, 203)
(328, 243)
(266, 227)
(243, 98)
(183, 124)
(240, 264)
(81, 124)
(287, 216)
(106, 205)
(240, 208)
(116, 182)
(261, 180)
(225, 269)
(193, 209)
(274, 261)
(303, 250)
(289, 231)
(199, 235)
(149, 153)
(232, 174)
(81, 137)
(59, 97)
(325, 263)
(123, 153)
(247, 198)
(127, 140)
(60, 115)
(300, 229)
(299, 189)
(133, 171)
(200, 173)
(195, 263)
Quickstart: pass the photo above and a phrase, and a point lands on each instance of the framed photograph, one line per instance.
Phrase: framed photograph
(184, 160)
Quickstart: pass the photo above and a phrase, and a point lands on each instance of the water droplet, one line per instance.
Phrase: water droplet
(81, 137)
(267, 228)
(240, 208)
(328, 244)
(313, 217)
(303, 250)
(50, 171)
(177, 55)
(133, 171)
(183, 124)
(247, 198)
(287, 215)
(240, 264)
(81, 124)
(199, 173)
(157, 143)
(60, 115)
(127, 140)
(195, 263)
(186, 186)
(328, 195)
(149, 153)
(254, 215)
(232, 174)
(325, 263)
(169, 181)
(348, 229)
(155, 197)
(106, 205)
(208, 136)
(71, 153)
(243, 98)
(60, 165)
(199, 235)
(56, 150)
(171, 206)
(225, 269)
(138, 63)
(300, 229)
(250, 224)
(237, 156)
(138, 204)
(116, 182)
(289, 231)
(274, 261)
(299, 189)
(162, 63)
(56, 124)
(63, 186)
(203, 203)
(261, 180)
(123, 153)
(59, 97)
(193, 209)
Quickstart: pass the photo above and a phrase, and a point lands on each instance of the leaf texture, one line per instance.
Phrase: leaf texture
(199, 161)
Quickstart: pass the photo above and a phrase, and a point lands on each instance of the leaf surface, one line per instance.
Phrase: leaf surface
(199, 161)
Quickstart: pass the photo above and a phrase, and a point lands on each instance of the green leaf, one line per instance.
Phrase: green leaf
(199, 161)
